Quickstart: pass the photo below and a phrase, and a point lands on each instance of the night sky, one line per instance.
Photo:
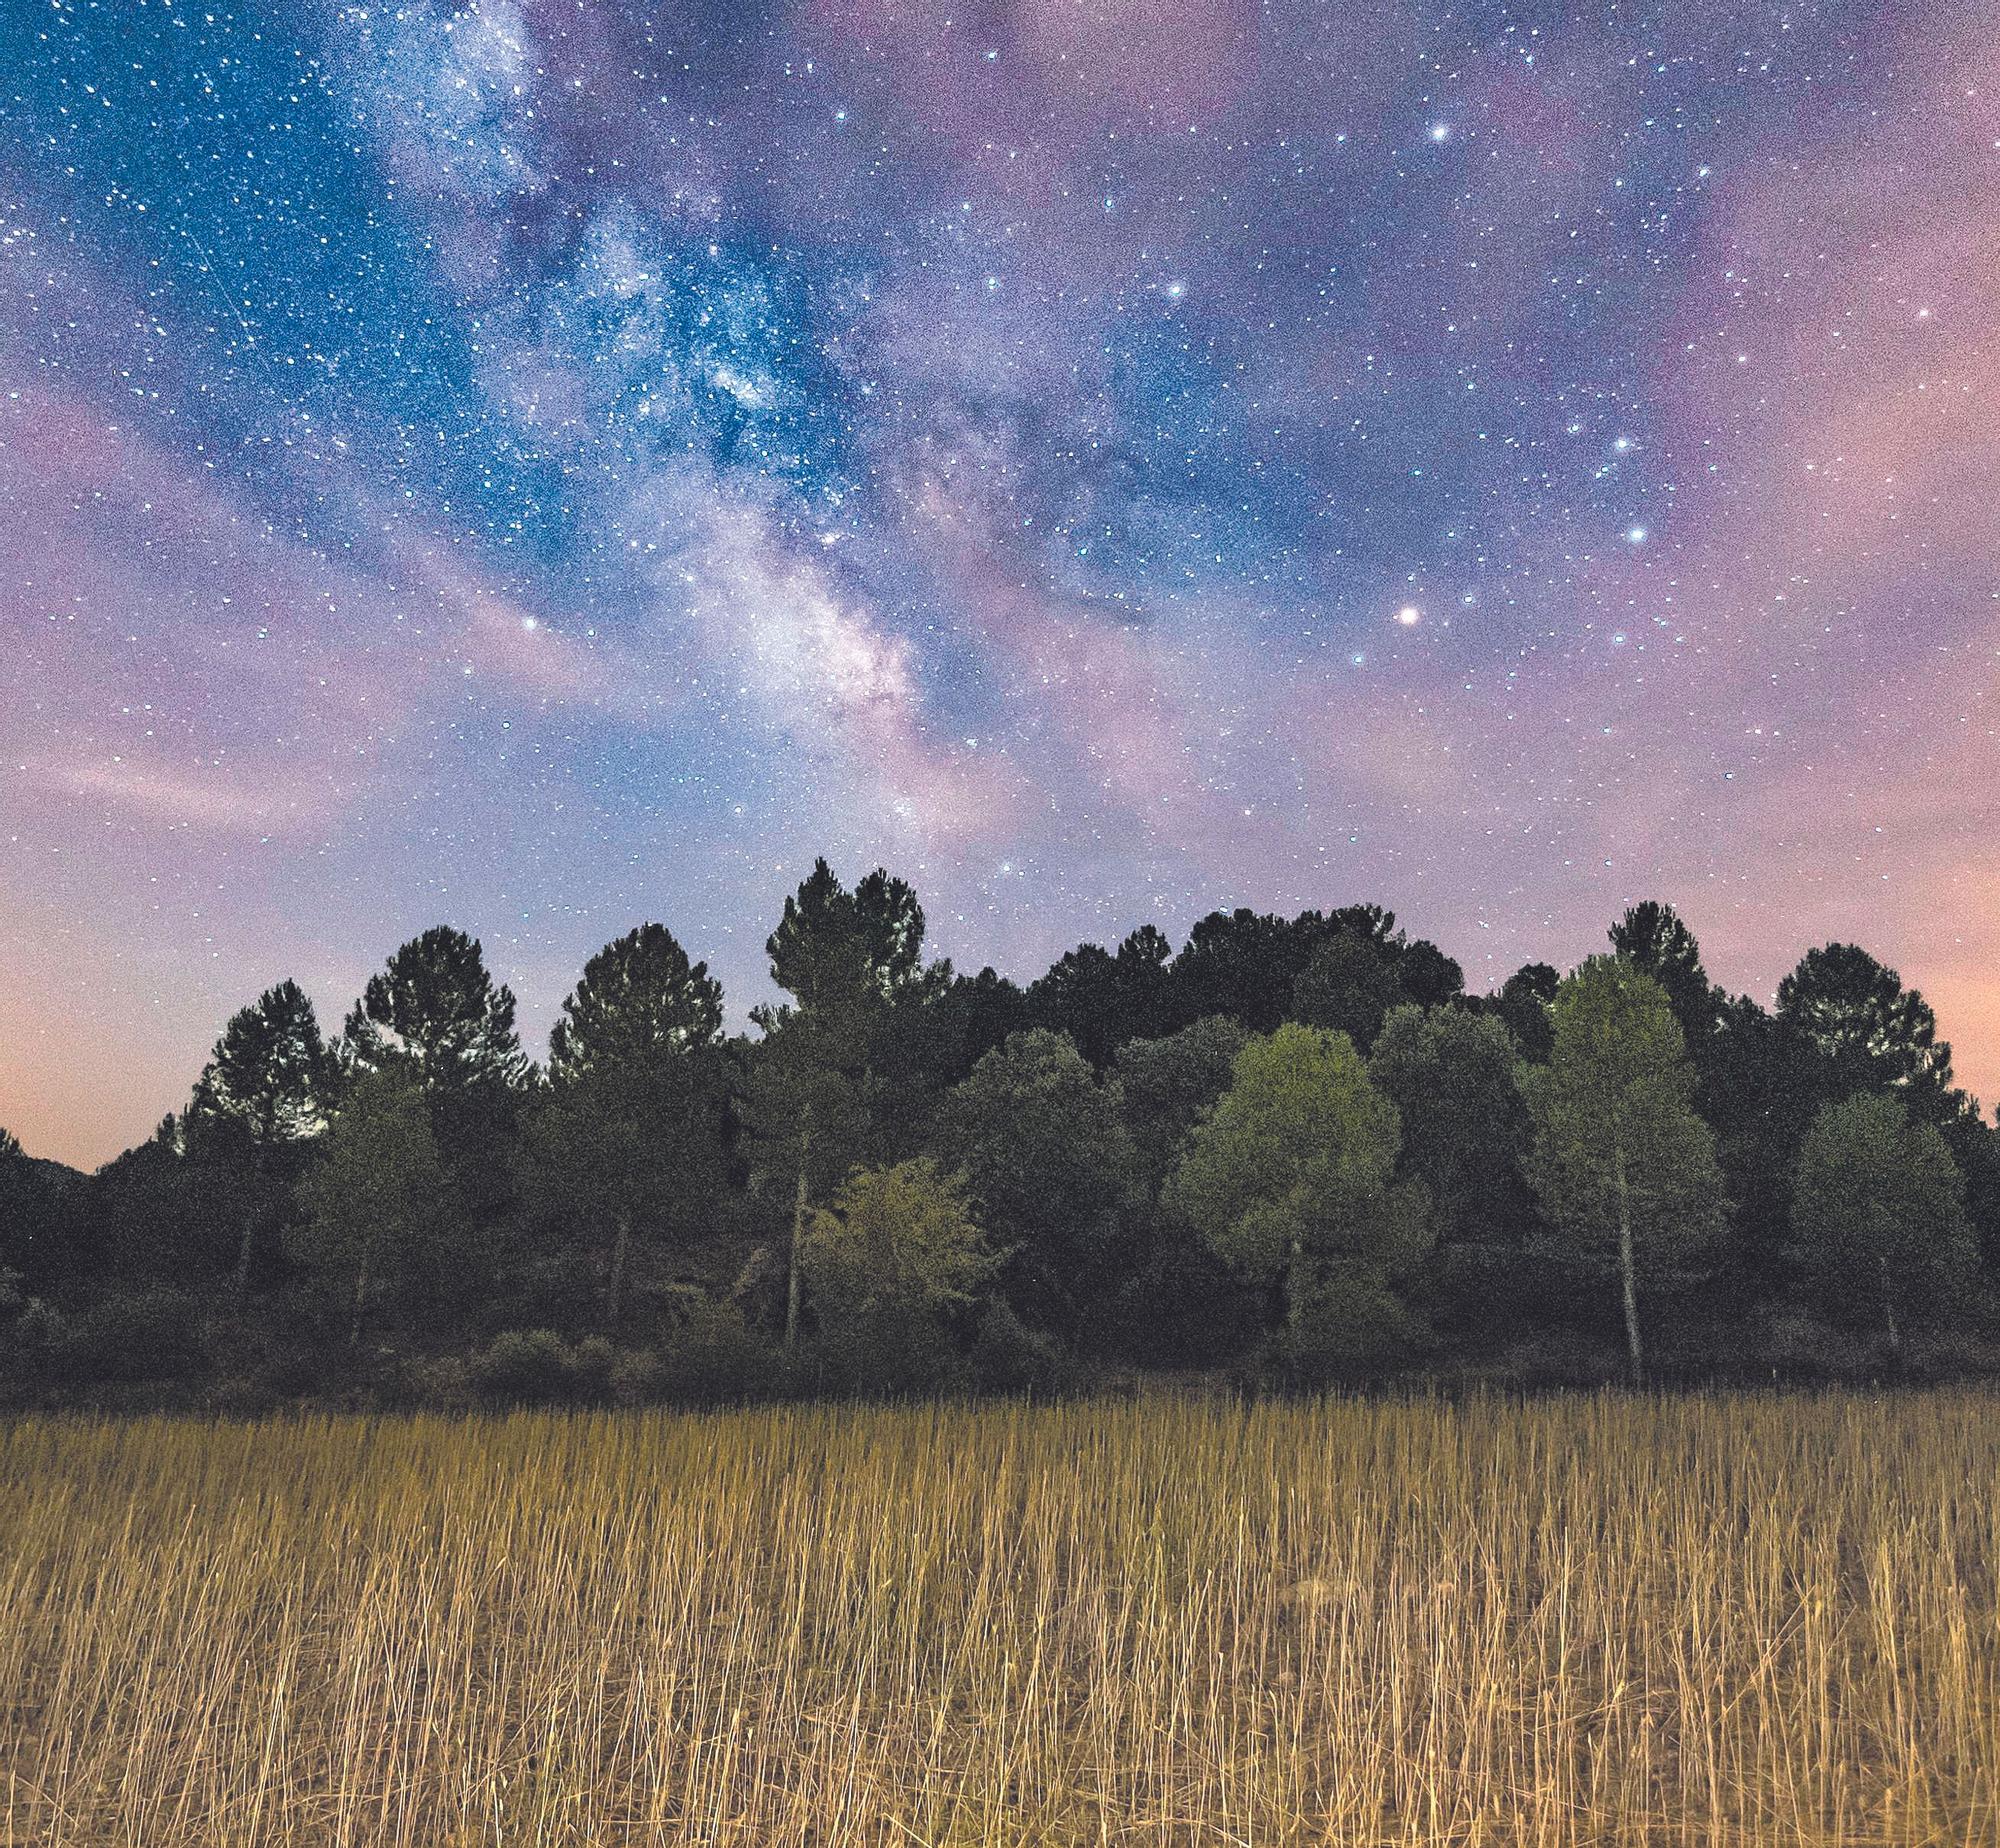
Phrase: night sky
(543, 466)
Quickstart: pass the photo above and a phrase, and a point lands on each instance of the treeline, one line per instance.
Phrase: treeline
(1296, 1149)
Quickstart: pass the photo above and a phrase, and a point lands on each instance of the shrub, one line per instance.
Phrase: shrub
(714, 1358)
(533, 1366)
(151, 1334)
(1009, 1356)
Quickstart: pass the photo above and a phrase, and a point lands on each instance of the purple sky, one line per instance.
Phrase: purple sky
(539, 467)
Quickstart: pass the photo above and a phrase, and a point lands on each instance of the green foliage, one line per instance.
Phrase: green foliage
(378, 1209)
(623, 1154)
(1618, 1085)
(1156, 1193)
(1866, 1023)
(625, 1167)
(1453, 1077)
(1045, 1151)
(901, 1236)
(1346, 1315)
(712, 1357)
(1347, 987)
(849, 960)
(1165, 1084)
(271, 1079)
(1878, 1216)
(1296, 1145)
(538, 1367)
(268, 1089)
(1624, 1166)
(896, 1254)
(1009, 1356)
(1653, 938)
(435, 1016)
(1523, 1004)
(1101, 1000)
(154, 1333)
(1291, 1180)
(833, 947)
(640, 1004)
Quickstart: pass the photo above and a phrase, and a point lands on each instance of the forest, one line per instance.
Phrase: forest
(1295, 1153)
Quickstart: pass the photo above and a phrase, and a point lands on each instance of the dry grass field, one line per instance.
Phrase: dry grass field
(1704, 1620)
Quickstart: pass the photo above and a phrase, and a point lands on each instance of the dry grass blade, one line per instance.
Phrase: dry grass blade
(1608, 1621)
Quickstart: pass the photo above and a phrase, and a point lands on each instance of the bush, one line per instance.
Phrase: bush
(1347, 1325)
(31, 1354)
(593, 1365)
(1557, 1360)
(638, 1378)
(898, 1352)
(1801, 1346)
(533, 1366)
(1009, 1356)
(428, 1383)
(714, 1358)
(152, 1334)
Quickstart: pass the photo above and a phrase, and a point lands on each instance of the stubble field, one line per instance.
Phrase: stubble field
(1687, 1620)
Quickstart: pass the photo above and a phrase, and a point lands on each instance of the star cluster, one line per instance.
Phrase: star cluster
(542, 465)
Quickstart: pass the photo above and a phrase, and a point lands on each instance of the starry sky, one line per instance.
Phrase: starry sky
(544, 464)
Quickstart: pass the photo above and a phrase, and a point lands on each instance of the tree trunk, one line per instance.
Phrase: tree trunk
(1889, 1318)
(621, 1245)
(1627, 1270)
(245, 1245)
(360, 1298)
(241, 1288)
(792, 1260)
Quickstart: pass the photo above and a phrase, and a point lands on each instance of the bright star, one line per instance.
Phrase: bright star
(1409, 615)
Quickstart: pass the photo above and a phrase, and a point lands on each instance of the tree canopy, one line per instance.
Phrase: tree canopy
(1623, 1164)
(638, 1005)
(436, 1016)
(1294, 1148)
(1291, 1179)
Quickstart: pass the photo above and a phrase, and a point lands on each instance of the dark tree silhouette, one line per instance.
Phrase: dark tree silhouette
(833, 947)
(269, 1086)
(378, 1204)
(1873, 1030)
(436, 1016)
(1628, 1139)
(1167, 1083)
(1653, 938)
(628, 1143)
(1348, 987)
(1043, 1143)
(1523, 1003)
(1243, 964)
(639, 1003)
(845, 958)
(1101, 1000)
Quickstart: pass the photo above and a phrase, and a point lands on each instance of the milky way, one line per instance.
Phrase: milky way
(541, 466)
